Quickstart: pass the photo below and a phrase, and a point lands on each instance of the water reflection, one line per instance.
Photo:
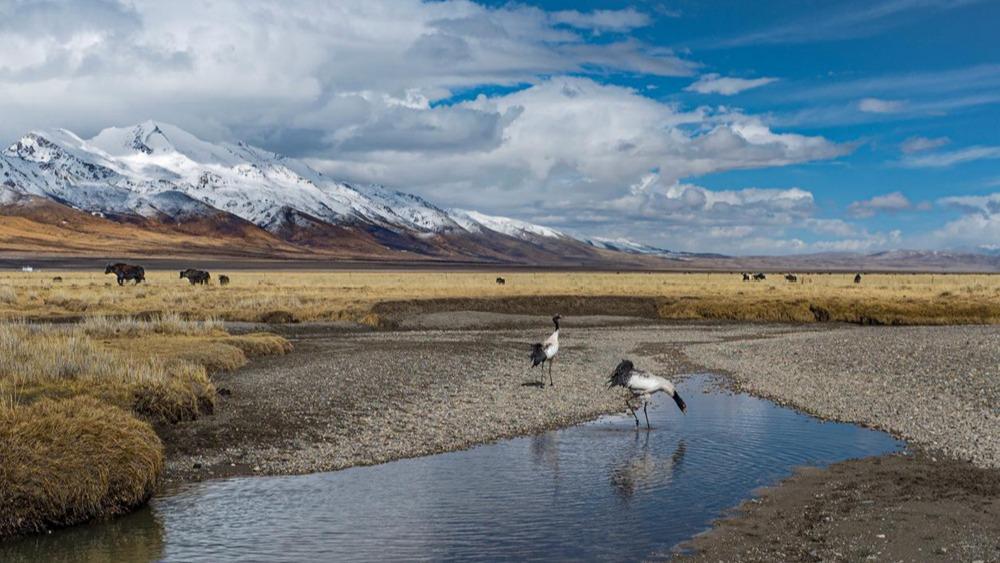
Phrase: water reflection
(643, 470)
(137, 537)
(544, 497)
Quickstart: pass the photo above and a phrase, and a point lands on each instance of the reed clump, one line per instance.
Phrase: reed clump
(66, 461)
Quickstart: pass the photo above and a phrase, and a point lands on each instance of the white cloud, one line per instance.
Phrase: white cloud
(968, 231)
(984, 204)
(894, 201)
(250, 66)
(875, 105)
(566, 142)
(865, 243)
(945, 159)
(834, 227)
(920, 144)
(602, 20)
(842, 21)
(727, 86)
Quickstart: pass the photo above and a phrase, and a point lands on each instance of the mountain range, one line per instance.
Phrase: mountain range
(155, 189)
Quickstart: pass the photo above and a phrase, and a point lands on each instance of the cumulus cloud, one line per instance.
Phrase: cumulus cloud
(920, 144)
(982, 204)
(864, 243)
(976, 227)
(891, 202)
(951, 158)
(216, 67)
(568, 141)
(725, 85)
(876, 105)
(602, 20)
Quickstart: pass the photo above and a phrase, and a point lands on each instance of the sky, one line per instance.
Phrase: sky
(768, 127)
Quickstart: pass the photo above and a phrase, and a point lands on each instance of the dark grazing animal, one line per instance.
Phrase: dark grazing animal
(223, 279)
(124, 272)
(501, 281)
(57, 279)
(196, 276)
(759, 276)
(791, 278)
(857, 278)
(746, 276)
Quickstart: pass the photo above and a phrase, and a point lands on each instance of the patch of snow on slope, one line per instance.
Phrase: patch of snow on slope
(473, 221)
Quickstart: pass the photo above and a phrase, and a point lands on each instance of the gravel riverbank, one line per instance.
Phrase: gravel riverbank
(938, 387)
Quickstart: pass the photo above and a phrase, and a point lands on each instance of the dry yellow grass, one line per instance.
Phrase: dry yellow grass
(346, 295)
(38, 361)
(68, 461)
(71, 447)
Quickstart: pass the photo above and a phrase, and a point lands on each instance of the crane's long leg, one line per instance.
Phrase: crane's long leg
(628, 405)
(644, 405)
(552, 359)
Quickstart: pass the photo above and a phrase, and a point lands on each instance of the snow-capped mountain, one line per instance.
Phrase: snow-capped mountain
(159, 171)
(476, 222)
(627, 245)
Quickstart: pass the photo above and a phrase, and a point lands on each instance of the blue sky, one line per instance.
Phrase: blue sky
(733, 127)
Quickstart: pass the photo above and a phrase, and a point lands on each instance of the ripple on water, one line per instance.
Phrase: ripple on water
(600, 490)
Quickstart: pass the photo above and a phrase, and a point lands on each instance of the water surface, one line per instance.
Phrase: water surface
(601, 490)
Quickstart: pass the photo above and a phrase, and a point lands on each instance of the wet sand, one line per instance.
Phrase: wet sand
(453, 380)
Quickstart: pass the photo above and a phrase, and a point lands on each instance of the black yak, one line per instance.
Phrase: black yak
(196, 276)
(126, 272)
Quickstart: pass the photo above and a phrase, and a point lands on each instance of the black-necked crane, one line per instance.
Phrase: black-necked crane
(642, 386)
(546, 351)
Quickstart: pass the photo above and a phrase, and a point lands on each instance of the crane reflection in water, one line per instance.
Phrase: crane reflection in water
(643, 470)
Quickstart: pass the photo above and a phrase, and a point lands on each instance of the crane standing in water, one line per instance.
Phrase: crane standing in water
(642, 385)
(546, 351)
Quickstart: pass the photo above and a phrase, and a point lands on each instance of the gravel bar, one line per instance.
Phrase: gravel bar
(937, 387)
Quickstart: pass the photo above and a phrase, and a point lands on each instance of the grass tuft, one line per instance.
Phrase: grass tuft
(68, 461)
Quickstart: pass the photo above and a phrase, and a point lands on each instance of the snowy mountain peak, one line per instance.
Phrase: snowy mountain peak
(473, 221)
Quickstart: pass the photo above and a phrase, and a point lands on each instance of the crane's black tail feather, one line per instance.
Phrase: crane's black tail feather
(621, 374)
(680, 402)
(537, 354)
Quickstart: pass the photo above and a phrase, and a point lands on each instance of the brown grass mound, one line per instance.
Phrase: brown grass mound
(68, 461)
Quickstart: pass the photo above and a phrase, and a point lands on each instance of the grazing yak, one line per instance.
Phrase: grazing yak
(126, 272)
(223, 279)
(857, 278)
(501, 281)
(791, 278)
(196, 276)
(759, 276)
(746, 276)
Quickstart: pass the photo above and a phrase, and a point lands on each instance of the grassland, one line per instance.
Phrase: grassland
(79, 404)
(361, 296)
